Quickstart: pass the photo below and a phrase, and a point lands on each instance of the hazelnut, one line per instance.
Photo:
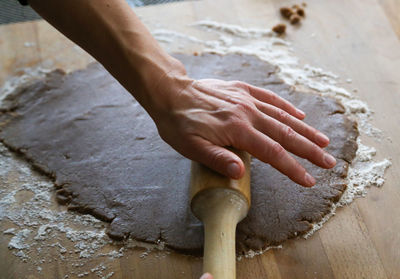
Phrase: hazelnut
(301, 12)
(279, 28)
(294, 19)
(286, 12)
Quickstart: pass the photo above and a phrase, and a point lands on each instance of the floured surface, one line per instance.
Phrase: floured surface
(104, 151)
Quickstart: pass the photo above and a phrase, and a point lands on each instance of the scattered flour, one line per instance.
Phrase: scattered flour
(83, 274)
(268, 47)
(109, 275)
(234, 30)
(168, 36)
(29, 44)
(364, 171)
(38, 226)
(18, 241)
(10, 231)
(252, 254)
(26, 75)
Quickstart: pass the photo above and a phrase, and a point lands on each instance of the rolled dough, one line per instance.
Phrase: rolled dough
(106, 158)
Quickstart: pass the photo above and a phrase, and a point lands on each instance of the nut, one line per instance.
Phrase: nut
(301, 12)
(279, 28)
(286, 12)
(294, 19)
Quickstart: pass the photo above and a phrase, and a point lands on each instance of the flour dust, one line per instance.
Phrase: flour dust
(37, 229)
(364, 171)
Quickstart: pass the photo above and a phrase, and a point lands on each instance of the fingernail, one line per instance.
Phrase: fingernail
(322, 139)
(206, 276)
(309, 179)
(233, 170)
(302, 113)
(329, 160)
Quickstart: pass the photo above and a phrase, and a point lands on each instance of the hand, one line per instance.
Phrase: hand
(198, 118)
(206, 276)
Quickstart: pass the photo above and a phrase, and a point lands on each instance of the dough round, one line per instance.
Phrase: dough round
(105, 156)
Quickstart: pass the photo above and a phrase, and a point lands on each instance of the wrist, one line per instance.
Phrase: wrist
(143, 67)
(165, 95)
(158, 75)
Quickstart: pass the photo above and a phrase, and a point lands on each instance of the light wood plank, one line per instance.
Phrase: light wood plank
(302, 258)
(349, 248)
(59, 52)
(378, 55)
(19, 48)
(392, 11)
(355, 39)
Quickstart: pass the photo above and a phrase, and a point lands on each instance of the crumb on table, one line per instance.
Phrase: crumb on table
(294, 19)
(286, 12)
(294, 13)
(279, 28)
(301, 12)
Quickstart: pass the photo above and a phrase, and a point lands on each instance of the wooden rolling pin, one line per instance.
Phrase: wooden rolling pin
(220, 203)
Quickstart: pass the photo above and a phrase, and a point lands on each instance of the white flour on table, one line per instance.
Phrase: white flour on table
(36, 226)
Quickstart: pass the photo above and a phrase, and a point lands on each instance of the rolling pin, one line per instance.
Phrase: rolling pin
(220, 203)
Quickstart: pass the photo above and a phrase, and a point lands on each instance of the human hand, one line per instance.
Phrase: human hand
(199, 118)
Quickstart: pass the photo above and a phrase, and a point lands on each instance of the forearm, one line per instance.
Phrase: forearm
(197, 118)
(111, 32)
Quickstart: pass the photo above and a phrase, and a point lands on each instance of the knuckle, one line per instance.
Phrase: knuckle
(216, 159)
(241, 85)
(277, 151)
(273, 97)
(236, 123)
(246, 106)
(288, 134)
(237, 130)
(283, 116)
(237, 83)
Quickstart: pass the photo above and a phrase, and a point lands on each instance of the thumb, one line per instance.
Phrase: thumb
(217, 158)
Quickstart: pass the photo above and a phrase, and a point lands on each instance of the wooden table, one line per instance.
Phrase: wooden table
(356, 39)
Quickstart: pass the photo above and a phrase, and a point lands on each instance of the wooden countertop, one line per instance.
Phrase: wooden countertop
(356, 39)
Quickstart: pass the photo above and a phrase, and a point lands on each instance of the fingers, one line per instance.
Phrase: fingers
(271, 152)
(271, 98)
(294, 142)
(252, 119)
(217, 158)
(298, 125)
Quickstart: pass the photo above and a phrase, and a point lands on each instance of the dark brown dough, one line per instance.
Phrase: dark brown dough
(105, 156)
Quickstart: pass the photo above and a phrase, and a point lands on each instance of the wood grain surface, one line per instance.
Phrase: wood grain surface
(352, 38)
